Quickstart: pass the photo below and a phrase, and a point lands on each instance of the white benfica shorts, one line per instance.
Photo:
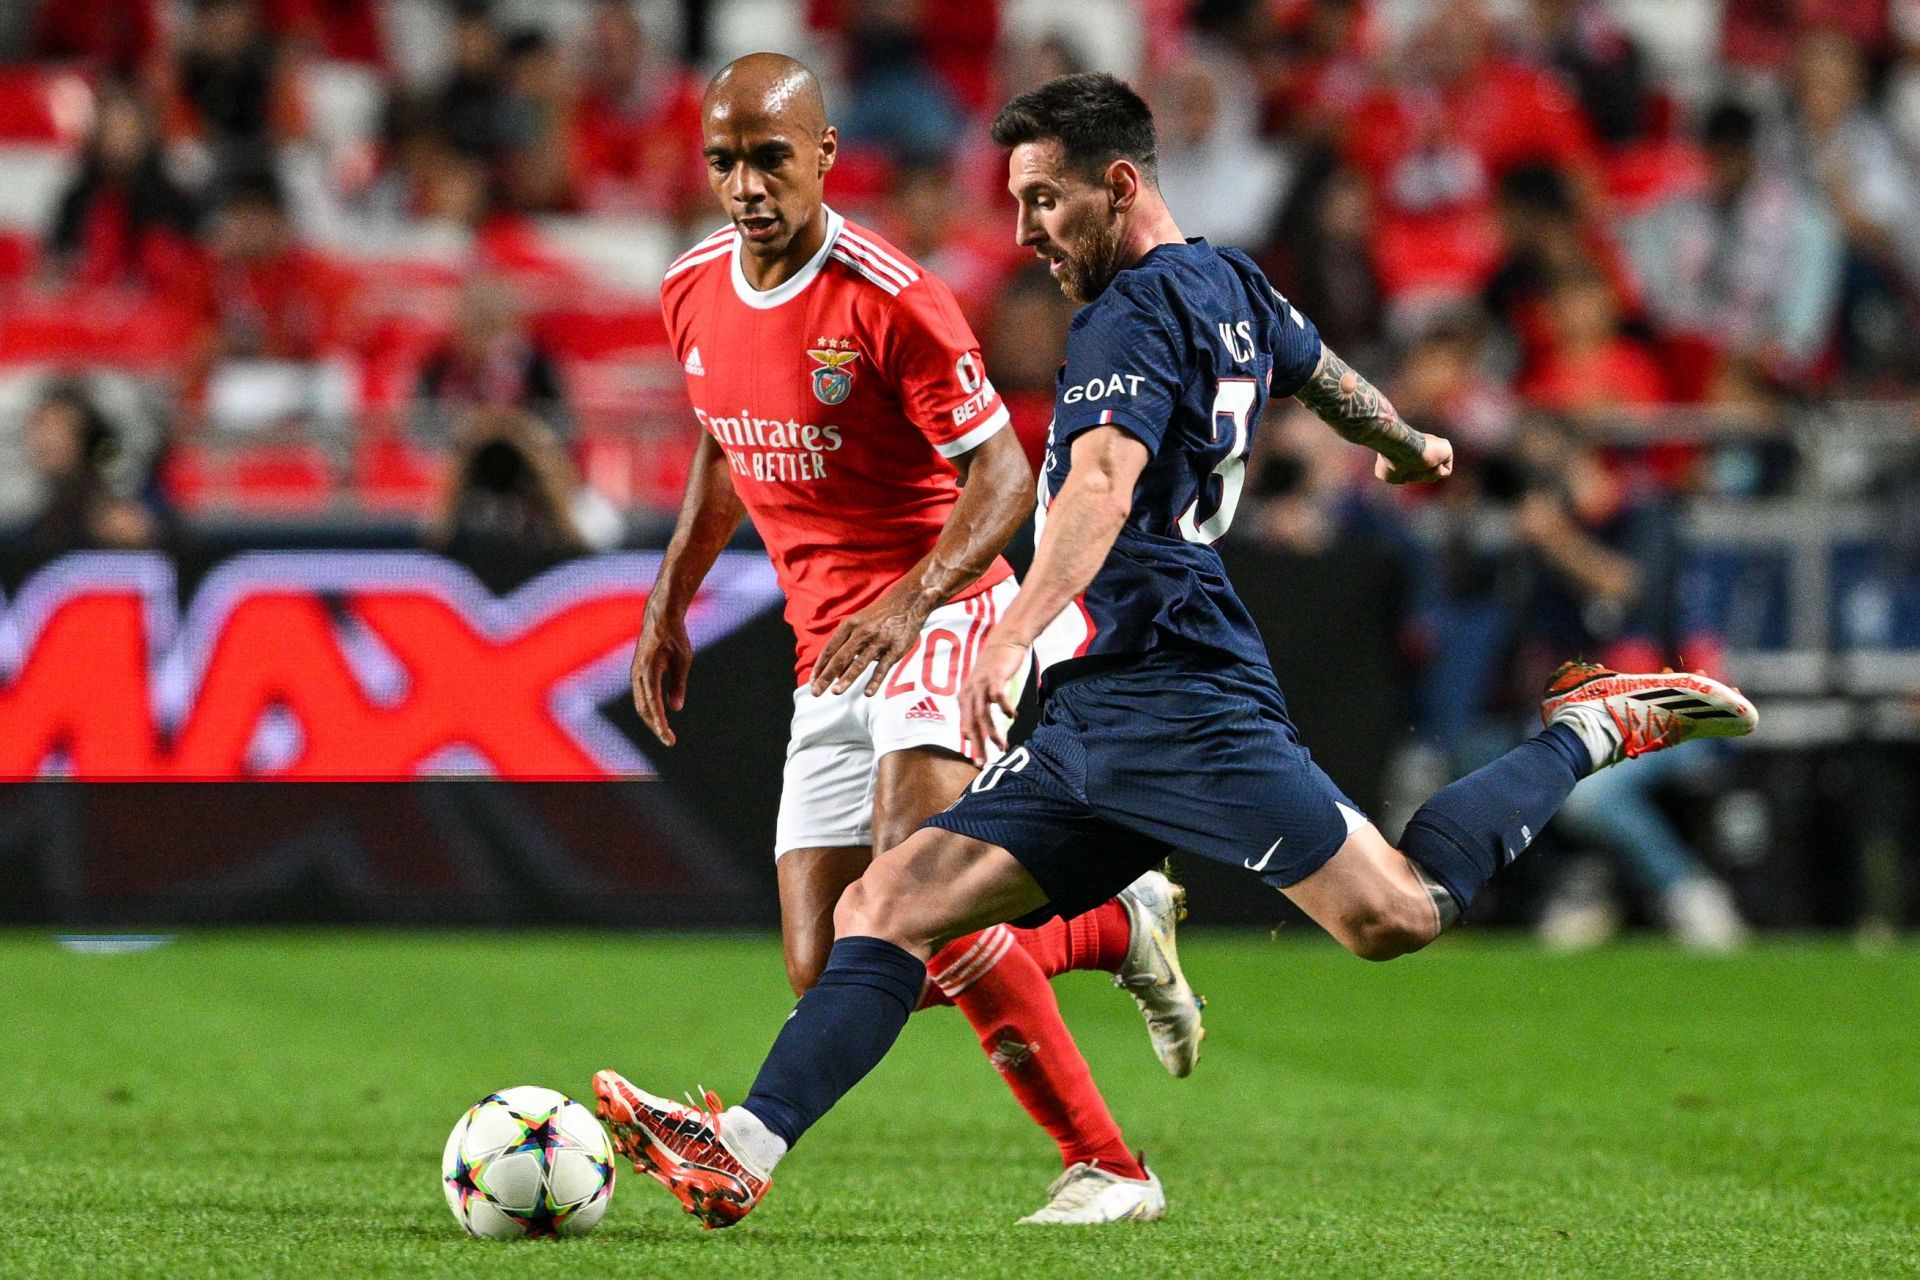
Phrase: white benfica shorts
(826, 795)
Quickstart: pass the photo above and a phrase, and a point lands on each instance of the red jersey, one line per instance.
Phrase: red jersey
(839, 397)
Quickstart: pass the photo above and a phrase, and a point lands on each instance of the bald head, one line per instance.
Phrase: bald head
(771, 86)
(768, 147)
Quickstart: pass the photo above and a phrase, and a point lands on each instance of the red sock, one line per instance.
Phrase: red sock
(1003, 993)
(1095, 940)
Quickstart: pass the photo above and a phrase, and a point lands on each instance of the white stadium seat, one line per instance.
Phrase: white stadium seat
(31, 180)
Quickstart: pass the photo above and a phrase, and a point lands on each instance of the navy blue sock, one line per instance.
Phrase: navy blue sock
(836, 1034)
(1473, 827)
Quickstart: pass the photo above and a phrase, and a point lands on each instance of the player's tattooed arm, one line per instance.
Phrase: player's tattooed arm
(1357, 409)
(1361, 412)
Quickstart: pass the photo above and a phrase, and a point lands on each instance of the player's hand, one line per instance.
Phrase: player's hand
(881, 634)
(989, 688)
(1434, 463)
(661, 661)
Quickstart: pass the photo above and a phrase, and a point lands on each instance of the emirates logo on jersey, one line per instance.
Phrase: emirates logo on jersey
(833, 371)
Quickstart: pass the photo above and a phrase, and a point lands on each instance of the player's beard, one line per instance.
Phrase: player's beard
(1087, 269)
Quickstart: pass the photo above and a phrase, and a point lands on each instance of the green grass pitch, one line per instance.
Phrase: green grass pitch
(275, 1104)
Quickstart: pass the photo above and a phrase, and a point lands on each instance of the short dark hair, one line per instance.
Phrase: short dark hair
(1537, 188)
(526, 42)
(1095, 118)
(1730, 124)
(253, 185)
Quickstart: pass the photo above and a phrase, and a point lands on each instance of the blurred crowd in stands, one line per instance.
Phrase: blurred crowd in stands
(341, 258)
(291, 215)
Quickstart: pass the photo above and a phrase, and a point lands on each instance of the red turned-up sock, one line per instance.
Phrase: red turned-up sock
(1004, 993)
(1097, 939)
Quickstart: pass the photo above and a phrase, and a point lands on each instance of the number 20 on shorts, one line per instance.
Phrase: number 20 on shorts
(939, 666)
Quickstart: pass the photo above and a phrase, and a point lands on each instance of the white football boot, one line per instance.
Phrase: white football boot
(1086, 1193)
(1152, 975)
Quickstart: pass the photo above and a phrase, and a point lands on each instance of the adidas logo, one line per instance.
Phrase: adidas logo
(925, 709)
(693, 365)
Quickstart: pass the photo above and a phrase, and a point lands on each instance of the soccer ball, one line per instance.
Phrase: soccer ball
(527, 1161)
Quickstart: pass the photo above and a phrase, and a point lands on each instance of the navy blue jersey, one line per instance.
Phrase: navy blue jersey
(1182, 350)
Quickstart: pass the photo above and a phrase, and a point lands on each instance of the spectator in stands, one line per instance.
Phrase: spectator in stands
(1434, 142)
(87, 502)
(1543, 551)
(636, 127)
(899, 102)
(1543, 234)
(123, 220)
(1848, 156)
(490, 362)
(451, 187)
(974, 255)
(116, 38)
(1445, 384)
(1603, 564)
(422, 176)
(1590, 364)
(1025, 342)
(237, 90)
(1025, 65)
(266, 297)
(1313, 64)
(1320, 254)
(408, 137)
(1585, 43)
(1715, 262)
(507, 495)
(1220, 181)
(536, 164)
(470, 107)
(958, 39)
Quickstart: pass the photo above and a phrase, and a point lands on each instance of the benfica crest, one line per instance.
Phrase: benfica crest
(833, 372)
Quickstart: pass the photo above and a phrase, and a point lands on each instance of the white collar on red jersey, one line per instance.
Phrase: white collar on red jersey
(788, 290)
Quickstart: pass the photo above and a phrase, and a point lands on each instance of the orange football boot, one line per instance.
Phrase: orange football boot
(681, 1147)
(1650, 712)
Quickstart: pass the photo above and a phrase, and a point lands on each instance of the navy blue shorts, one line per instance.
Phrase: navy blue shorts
(1174, 751)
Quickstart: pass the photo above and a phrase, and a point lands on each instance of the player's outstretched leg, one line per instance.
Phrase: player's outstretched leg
(996, 983)
(913, 898)
(1381, 902)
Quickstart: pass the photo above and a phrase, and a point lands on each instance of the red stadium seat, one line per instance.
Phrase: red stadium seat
(19, 256)
(270, 478)
(391, 473)
(118, 328)
(598, 334)
(39, 104)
